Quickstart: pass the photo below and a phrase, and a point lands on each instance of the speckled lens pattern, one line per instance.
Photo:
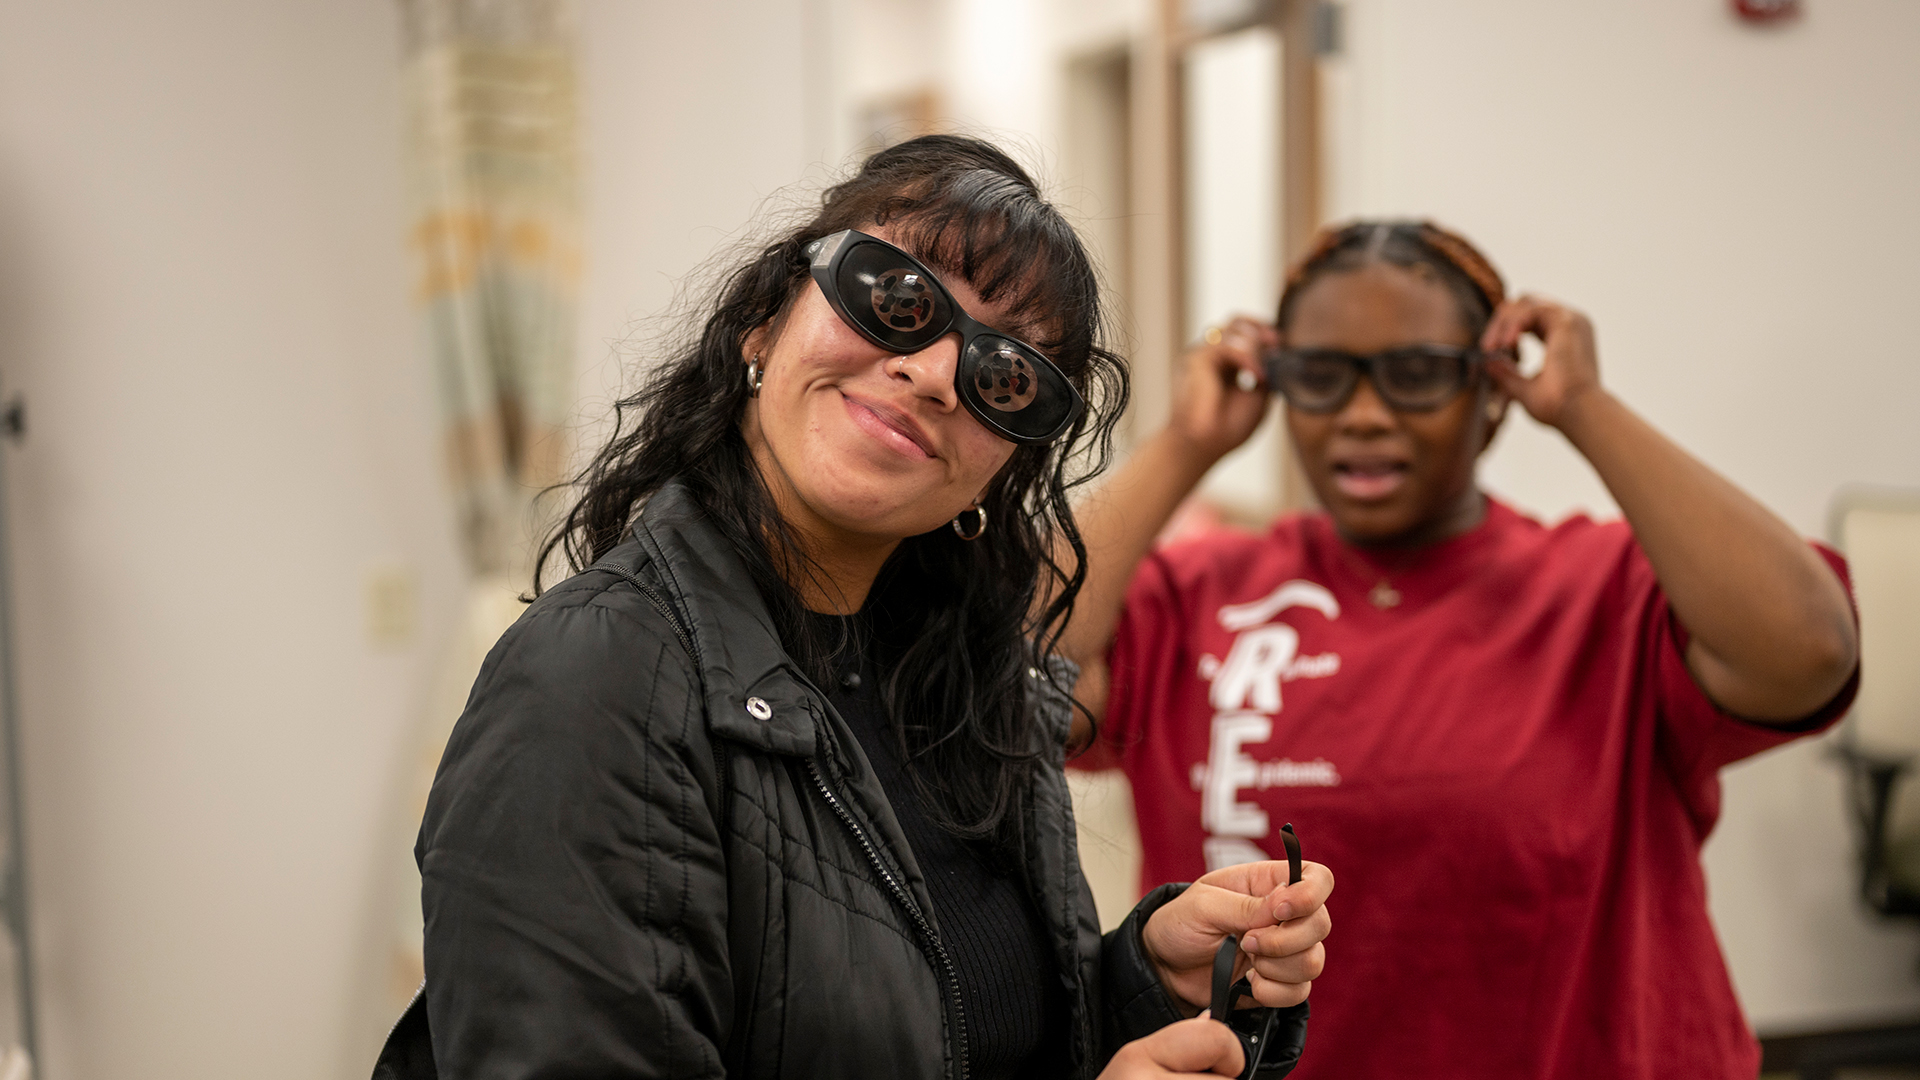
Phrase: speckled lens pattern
(1010, 387)
(902, 299)
(1005, 378)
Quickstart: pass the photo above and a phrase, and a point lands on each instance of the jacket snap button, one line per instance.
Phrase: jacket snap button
(758, 708)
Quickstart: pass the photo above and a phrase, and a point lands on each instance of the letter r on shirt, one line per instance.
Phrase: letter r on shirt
(1250, 676)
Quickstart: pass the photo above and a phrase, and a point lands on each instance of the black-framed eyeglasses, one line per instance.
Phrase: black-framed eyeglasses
(894, 301)
(1411, 378)
(1253, 1027)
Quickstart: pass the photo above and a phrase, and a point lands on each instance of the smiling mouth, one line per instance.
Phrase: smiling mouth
(1369, 481)
(888, 428)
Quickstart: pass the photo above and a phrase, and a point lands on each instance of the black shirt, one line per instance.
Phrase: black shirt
(1014, 1001)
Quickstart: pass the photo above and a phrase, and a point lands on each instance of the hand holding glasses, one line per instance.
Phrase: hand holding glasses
(1255, 1028)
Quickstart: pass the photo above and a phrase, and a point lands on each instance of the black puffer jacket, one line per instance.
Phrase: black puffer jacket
(653, 849)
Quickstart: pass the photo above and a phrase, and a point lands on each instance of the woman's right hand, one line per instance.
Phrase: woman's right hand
(1223, 392)
(1196, 1047)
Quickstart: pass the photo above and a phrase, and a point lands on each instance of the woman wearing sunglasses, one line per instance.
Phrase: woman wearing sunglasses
(1466, 710)
(772, 785)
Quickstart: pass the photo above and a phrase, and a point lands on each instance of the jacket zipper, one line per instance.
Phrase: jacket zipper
(939, 951)
(934, 947)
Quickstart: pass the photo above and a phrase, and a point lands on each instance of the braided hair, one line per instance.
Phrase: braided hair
(1419, 246)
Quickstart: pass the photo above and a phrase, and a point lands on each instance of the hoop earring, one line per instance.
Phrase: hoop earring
(978, 531)
(754, 375)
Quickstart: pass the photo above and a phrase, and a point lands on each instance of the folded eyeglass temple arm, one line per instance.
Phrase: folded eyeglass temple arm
(1226, 991)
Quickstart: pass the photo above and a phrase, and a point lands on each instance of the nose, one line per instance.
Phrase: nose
(1365, 413)
(930, 372)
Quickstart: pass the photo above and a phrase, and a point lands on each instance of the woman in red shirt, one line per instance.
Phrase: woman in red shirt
(1465, 710)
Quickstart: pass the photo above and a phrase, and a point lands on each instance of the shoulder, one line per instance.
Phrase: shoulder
(1577, 569)
(1579, 541)
(586, 713)
(601, 611)
(592, 647)
(1192, 578)
(1235, 554)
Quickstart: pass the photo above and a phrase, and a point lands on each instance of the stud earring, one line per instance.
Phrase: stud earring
(979, 529)
(754, 375)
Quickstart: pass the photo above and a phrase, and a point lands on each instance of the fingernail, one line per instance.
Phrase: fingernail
(1249, 941)
(1204, 1013)
(1283, 911)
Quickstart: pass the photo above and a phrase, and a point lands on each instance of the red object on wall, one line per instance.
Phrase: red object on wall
(1766, 10)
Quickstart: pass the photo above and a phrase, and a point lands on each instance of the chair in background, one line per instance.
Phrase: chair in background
(1879, 530)
(1878, 745)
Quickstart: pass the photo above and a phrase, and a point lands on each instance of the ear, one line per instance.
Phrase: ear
(757, 342)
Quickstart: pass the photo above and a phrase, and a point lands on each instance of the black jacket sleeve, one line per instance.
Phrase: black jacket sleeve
(570, 859)
(1137, 1004)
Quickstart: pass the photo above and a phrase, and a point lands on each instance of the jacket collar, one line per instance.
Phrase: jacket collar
(744, 671)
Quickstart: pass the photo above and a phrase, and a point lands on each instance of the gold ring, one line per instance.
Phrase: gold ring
(1213, 335)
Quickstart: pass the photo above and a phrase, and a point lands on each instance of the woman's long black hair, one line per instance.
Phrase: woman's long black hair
(956, 627)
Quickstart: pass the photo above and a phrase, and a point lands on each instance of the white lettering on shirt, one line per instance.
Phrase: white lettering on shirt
(1281, 772)
(1294, 593)
(1229, 770)
(1225, 851)
(1246, 696)
(1250, 676)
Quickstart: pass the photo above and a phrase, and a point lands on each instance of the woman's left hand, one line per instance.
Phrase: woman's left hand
(1280, 927)
(1570, 367)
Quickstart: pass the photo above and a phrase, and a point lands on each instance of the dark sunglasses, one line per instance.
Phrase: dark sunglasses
(1412, 378)
(894, 301)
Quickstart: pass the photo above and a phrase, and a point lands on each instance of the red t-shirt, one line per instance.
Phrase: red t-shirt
(1509, 771)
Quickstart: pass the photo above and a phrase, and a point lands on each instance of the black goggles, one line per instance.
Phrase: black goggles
(894, 301)
(1412, 378)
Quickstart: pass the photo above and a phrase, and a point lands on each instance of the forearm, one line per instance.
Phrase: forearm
(1118, 523)
(1772, 631)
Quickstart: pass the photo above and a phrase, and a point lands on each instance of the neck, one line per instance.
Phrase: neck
(836, 572)
(1457, 517)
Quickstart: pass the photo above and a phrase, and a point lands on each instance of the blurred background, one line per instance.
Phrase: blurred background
(300, 301)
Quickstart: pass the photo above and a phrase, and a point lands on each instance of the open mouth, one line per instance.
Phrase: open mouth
(1369, 480)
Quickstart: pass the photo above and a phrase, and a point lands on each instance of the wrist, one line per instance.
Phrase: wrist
(1164, 972)
(1138, 999)
(1578, 412)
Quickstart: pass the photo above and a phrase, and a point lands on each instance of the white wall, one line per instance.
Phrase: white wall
(698, 116)
(204, 300)
(1735, 208)
(203, 296)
